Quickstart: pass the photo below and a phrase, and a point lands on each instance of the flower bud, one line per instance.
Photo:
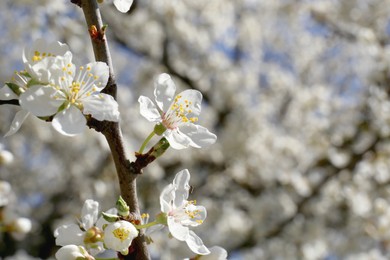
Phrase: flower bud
(6, 157)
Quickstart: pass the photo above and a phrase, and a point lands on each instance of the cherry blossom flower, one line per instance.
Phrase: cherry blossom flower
(182, 214)
(176, 114)
(40, 62)
(119, 235)
(72, 96)
(86, 234)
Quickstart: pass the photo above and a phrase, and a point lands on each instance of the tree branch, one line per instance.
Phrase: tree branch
(111, 130)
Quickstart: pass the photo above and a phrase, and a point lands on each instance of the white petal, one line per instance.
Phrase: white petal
(148, 109)
(176, 139)
(216, 253)
(196, 244)
(164, 91)
(166, 197)
(17, 122)
(69, 122)
(71, 252)
(40, 101)
(89, 213)
(41, 45)
(101, 107)
(69, 234)
(7, 94)
(177, 230)
(191, 100)
(200, 137)
(182, 187)
(123, 5)
(94, 74)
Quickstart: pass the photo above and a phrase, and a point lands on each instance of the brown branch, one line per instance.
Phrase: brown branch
(111, 130)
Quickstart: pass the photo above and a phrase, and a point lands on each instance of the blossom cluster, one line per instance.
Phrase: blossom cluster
(113, 232)
(51, 88)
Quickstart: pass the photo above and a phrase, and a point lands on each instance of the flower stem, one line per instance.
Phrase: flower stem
(146, 142)
(147, 225)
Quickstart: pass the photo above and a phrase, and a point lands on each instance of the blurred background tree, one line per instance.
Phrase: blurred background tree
(296, 91)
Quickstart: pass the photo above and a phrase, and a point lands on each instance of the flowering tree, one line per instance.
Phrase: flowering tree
(296, 91)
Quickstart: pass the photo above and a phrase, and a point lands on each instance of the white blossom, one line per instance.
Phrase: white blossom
(119, 235)
(182, 214)
(177, 114)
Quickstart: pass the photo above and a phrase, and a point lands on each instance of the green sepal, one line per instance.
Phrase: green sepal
(159, 129)
(15, 88)
(162, 219)
(110, 217)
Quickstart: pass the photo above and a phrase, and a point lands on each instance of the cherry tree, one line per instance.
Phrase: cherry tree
(295, 91)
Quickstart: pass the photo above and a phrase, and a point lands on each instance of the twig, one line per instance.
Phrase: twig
(111, 130)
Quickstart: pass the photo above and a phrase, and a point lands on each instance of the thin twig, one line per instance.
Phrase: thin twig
(111, 130)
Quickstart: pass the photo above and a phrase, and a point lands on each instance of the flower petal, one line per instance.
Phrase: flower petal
(182, 187)
(7, 94)
(123, 5)
(69, 121)
(17, 122)
(101, 107)
(196, 244)
(40, 101)
(69, 234)
(42, 46)
(216, 253)
(176, 139)
(200, 137)
(93, 74)
(148, 109)
(89, 213)
(177, 230)
(191, 100)
(71, 252)
(166, 196)
(164, 91)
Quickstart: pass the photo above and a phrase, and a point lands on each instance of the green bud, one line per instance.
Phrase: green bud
(159, 129)
(110, 217)
(162, 218)
(123, 209)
